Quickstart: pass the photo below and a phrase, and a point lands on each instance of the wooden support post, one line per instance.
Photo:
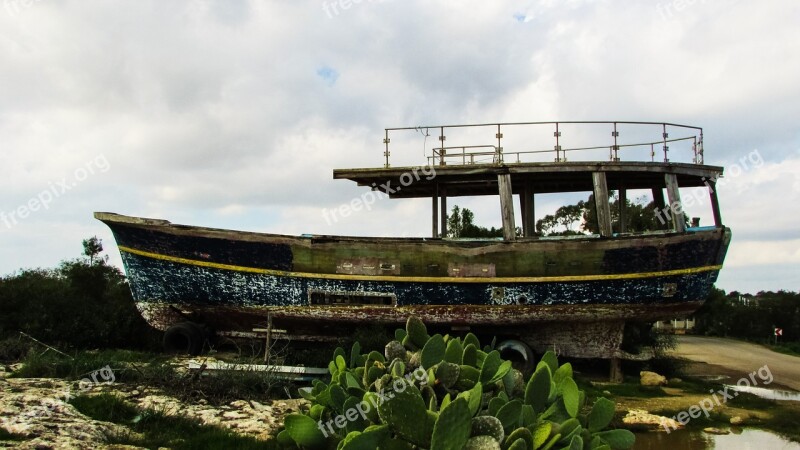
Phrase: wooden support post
(675, 205)
(623, 210)
(601, 203)
(712, 191)
(435, 212)
(269, 338)
(506, 206)
(444, 212)
(658, 200)
(526, 202)
(616, 375)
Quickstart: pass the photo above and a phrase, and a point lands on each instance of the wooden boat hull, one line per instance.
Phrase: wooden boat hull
(232, 280)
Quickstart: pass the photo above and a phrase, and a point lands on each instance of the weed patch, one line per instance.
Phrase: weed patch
(156, 371)
(155, 429)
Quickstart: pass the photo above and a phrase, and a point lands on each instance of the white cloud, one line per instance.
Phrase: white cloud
(234, 114)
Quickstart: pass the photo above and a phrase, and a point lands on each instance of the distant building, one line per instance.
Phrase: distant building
(675, 326)
(744, 299)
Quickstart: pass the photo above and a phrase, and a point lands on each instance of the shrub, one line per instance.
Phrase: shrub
(84, 303)
(13, 349)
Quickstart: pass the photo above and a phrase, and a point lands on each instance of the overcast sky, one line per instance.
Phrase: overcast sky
(234, 113)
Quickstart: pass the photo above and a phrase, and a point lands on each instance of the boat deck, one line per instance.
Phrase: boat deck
(541, 178)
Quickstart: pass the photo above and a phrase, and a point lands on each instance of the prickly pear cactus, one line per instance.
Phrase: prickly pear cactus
(394, 350)
(447, 393)
(447, 374)
(482, 443)
(417, 332)
(489, 426)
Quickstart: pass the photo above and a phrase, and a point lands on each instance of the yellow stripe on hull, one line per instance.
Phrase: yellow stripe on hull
(394, 278)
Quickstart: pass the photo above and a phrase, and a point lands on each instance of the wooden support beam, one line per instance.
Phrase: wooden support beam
(601, 203)
(615, 374)
(444, 212)
(623, 210)
(506, 206)
(658, 200)
(527, 204)
(712, 191)
(435, 213)
(675, 205)
(269, 338)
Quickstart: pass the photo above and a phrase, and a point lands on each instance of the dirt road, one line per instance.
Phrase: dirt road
(738, 359)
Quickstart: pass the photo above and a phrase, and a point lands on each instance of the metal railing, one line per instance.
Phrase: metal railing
(491, 153)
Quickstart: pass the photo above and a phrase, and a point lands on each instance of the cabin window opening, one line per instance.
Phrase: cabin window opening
(318, 297)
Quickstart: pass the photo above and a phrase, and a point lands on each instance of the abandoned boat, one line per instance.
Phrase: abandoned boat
(572, 293)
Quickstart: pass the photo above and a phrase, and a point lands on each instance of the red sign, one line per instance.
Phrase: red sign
(778, 331)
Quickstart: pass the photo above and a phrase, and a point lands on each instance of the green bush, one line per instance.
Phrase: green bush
(750, 317)
(442, 392)
(84, 303)
(13, 349)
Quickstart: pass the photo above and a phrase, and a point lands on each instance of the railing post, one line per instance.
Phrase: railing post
(557, 135)
(499, 151)
(386, 152)
(700, 158)
(615, 149)
(665, 135)
(441, 139)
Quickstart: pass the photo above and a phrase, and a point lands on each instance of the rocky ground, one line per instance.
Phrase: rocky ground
(37, 409)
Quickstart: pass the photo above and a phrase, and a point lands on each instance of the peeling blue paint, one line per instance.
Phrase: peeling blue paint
(155, 280)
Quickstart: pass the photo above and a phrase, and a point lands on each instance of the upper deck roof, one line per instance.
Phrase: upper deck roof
(471, 180)
(477, 154)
